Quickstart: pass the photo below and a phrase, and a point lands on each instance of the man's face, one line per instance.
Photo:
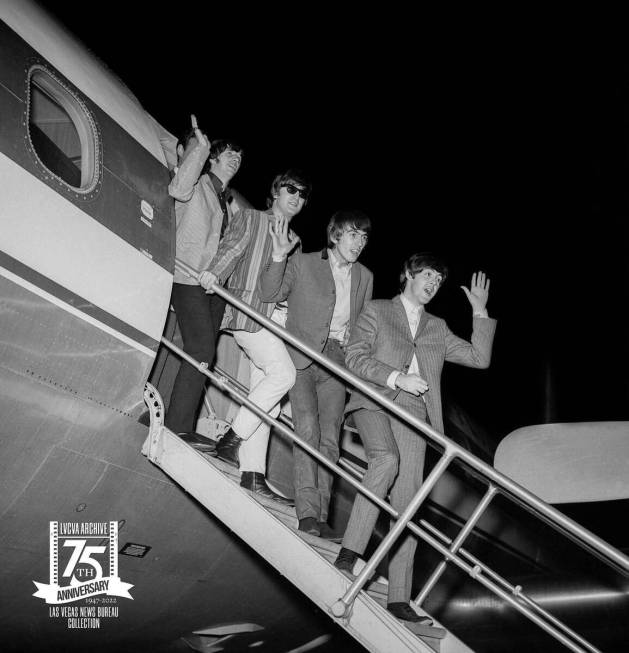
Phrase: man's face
(226, 165)
(290, 199)
(350, 244)
(424, 285)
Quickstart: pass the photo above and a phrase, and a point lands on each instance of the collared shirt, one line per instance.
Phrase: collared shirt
(342, 275)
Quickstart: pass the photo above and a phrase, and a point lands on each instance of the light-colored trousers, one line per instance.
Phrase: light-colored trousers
(272, 376)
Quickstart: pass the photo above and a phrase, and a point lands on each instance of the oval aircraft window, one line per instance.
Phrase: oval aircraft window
(62, 131)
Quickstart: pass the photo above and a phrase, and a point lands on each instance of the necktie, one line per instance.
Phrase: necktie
(222, 198)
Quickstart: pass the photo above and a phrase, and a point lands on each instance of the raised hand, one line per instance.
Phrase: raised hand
(412, 383)
(202, 139)
(478, 292)
(283, 242)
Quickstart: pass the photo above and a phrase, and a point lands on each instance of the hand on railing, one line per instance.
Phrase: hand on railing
(207, 279)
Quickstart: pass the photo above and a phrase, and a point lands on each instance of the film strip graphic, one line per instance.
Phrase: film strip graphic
(93, 584)
(112, 539)
(54, 552)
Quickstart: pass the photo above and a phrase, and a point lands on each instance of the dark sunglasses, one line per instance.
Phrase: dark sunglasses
(292, 189)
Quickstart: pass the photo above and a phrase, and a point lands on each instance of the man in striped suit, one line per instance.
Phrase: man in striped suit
(400, 349)
(244, 251)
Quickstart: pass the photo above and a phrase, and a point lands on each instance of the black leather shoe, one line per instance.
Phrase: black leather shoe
(346, 559)
(205, 445)
(227, 448)
(309, 525)
(327, 533)
(256, 483)
(406, 613)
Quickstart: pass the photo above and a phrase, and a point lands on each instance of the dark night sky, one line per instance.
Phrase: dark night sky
(503, 153)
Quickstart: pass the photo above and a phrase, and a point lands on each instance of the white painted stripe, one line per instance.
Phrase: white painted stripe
(45, 231)
(75, 311)
(85, 71)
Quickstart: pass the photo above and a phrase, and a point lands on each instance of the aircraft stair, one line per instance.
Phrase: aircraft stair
(271, 530)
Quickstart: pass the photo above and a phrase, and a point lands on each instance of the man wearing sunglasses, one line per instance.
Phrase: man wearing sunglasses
(325, 292)
(400, 348)
(244, 251)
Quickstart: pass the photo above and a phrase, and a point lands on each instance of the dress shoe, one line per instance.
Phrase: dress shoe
(406, 613)
(227, 448)
(256, 483)
(327, 533)
(198, 442)
(346, 559)
(309, 525)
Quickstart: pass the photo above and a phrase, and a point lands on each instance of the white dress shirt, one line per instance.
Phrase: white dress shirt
(343, 282)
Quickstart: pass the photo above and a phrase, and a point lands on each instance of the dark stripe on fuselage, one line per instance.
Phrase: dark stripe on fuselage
(79, 303)
(129, 172)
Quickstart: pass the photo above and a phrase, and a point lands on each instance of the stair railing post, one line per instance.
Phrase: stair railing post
(457, 543)
(343, 605)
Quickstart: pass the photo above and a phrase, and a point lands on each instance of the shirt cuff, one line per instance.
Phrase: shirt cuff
(482, 314)
(278, 259)
(392, 379)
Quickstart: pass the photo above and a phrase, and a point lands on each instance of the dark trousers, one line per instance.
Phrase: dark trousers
(395, 459)
(199, 317)
(317, 401)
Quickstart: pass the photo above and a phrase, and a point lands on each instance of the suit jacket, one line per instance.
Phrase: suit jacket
(381, 342)
(306, 282)
(244, 251)
(198, 214)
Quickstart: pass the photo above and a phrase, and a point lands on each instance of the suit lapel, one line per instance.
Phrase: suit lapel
(423, 320)
(401, 316)
(353, 296)
(325, 271)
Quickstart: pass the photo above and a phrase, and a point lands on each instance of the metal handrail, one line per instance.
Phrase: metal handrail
(527, 499)
(531, 610)
(454, 546)
(452, 451)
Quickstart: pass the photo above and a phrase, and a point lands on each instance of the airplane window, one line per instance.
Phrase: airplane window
(62, 131)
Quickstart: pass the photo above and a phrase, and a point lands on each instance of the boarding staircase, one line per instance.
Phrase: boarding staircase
(357, 603)
(271, 529)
